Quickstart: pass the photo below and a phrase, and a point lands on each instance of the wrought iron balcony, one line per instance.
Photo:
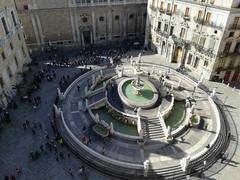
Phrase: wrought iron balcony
(180, 42)
(169, 12)
(226, 54)
(162, 10)
(206, 51)
(153, 8)
(213, 25)
(161, 33)
(234, 27)
(198, 20)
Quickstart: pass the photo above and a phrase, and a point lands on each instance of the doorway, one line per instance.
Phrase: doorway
(179, 54)
(86, 37)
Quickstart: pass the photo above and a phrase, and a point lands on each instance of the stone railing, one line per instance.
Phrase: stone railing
(139, 127)
(109, 3)
(98, 155)
(169, 108)
(162, 122)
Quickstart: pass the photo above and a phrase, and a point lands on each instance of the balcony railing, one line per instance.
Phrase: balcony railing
(208, 24)
(234, 27)
(206, 51)
(180, 42)
(169, 12)
(161, 33)
(153, 8)
(225, 54)
(111, 2)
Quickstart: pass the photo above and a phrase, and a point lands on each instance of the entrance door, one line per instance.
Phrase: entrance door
(189, 59)
(196, 62)
(163, 48)
(235, 76)
(86, 37)
(227, 76)
(179, 54)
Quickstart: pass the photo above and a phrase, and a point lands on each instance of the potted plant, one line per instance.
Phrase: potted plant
(195, 120)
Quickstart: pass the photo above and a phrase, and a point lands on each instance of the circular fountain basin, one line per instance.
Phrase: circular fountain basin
(146, 99)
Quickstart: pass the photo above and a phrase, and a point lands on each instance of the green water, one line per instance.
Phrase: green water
(176, 118)
(117, 125)
(146, 93)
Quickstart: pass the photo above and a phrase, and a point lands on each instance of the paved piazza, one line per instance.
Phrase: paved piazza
(114, 140)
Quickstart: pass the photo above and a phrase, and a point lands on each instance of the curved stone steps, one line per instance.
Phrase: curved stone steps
(152, 129)
(96, 97)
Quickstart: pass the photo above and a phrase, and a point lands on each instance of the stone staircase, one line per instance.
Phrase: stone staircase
(152, 129)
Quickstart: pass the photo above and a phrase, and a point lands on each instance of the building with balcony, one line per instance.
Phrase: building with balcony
(82, 22)
(202, 35)
(13, 51)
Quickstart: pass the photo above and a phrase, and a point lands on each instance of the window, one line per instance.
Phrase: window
(212, 43)
(162, 6)
(212, 1)
(175, 9)
(231, 34)
(9, 72)
(159, 26)
(131, 16)
(205, 63)
(15, 59)
(182, 33)
(195, 38)
(23, 51)
(117, 17)
(4, 25)
(3, 55)
(13, 18)
(11, 46)
(227, 47)
(25, 7)
(202, 41)
(208, 17)
(166, 27)
(101, 18)
(235, 22)
(187, 11)
(199, 17)
(196, 62)
(168, 7)
(85, 19)
(19, 37)
(189, 58)
(237, 48)
(171, 30)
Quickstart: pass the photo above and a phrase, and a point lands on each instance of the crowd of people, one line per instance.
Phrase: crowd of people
(53, 142)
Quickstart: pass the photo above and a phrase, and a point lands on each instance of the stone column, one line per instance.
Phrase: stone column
(94, 26)
(147, 29)
(76, 19)
(71, 5)
(110, 19)
(39, 28)
(82, 39)
(35, 28)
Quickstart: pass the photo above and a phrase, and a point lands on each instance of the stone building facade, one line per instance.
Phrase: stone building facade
(13, 51)
(81, 22)
(202, 35)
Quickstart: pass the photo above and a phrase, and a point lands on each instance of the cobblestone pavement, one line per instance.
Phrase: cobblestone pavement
(16, 144)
